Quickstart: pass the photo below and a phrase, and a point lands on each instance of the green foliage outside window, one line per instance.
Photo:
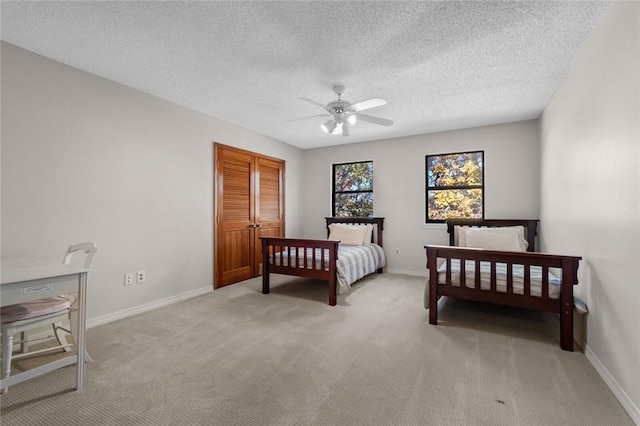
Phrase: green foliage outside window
(455, 186)
(353, 189)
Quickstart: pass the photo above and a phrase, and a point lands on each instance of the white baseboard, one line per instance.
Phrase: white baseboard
(113, 316)
(407, 272)
(621, 395)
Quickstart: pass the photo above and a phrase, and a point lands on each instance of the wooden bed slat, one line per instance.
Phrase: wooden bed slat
(494, 278)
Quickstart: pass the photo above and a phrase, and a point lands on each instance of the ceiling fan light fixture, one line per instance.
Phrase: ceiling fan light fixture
(329, 126)
(332, 126)
(345, 129)
(352, 119)
(337, 130)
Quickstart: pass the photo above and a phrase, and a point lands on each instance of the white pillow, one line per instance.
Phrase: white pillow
(462, 234)
(489, 239)
(348, 235)
(367, 234)
(519, 230)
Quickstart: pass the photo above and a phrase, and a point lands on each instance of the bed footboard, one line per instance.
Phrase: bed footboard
(314, 259)
(532, 295)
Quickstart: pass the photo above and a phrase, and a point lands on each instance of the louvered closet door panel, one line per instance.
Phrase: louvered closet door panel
(270, 202)
(236, 236)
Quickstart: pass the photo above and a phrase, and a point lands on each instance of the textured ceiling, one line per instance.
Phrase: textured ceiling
(440, 65)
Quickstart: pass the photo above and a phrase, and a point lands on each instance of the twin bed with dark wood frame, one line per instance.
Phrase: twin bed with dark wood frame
(568, 265)
(276, 255)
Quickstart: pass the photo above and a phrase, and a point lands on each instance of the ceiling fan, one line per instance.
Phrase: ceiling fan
(344, 114)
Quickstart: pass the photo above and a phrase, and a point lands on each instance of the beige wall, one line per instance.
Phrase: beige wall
(84, 158)
(590, 198)
(511, 183)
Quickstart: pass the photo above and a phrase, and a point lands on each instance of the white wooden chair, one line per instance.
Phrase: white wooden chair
(38, 313)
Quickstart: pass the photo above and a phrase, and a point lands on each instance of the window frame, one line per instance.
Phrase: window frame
(333, 186)
(454, 187)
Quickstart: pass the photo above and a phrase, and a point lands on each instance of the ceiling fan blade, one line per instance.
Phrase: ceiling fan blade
(345, 129)
(324, 107)
(371, 103)
(311, 116)
(374, 120)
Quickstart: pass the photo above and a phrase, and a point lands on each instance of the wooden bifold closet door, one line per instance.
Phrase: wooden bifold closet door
(249, 204)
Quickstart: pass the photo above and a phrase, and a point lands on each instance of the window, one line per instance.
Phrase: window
(353, 189)
(455, 186)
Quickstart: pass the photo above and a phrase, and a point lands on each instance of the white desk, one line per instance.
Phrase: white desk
(24, 279)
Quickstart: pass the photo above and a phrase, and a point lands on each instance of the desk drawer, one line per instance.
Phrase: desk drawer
(19, 292)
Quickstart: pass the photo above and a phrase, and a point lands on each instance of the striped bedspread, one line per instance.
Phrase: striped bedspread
(535, 275)
(354, 262)
(501, 277)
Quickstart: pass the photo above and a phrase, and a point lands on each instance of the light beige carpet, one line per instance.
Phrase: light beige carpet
(238, 357)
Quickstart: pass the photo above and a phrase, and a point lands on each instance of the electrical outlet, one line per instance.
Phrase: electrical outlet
(397, 251)
(128, 278)
(142, 276)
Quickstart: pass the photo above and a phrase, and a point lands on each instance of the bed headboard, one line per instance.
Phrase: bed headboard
(377, 223)
(530, 227)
